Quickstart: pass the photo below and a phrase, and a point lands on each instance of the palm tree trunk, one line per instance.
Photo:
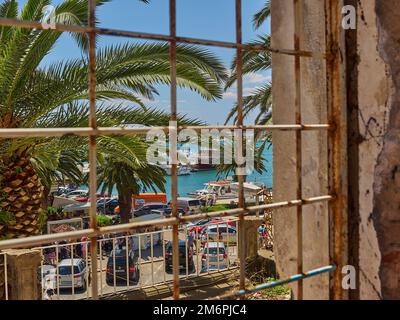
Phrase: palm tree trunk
(125, 204)
(21, 198)
(45, 198)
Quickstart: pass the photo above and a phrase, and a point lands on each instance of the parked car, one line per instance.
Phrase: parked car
(86, 198)
(76, 194)
(222, 221)
(166, 212)
(220, 232)
(147, 208)
(62, 191)
(107, 206)
(197, 226)
(189, 205)
(72, 272)
(214, 257)
(121, 266)
(182, 257)
(201, 227)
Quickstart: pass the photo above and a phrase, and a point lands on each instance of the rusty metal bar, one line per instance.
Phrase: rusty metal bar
(92, 146)
(37, 240)
(335, 142)
(173, 148)
(299, 157)
(332, 56)
(47, 238)
(239, 124)
(159, 37)
(84, 132)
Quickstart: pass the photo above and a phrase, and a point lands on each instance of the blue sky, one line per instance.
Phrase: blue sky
(212, 19)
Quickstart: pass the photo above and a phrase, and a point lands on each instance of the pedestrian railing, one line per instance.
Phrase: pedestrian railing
(133, 261)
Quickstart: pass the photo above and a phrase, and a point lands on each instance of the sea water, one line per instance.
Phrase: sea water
(197, 179)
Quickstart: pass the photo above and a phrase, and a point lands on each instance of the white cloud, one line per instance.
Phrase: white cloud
(229, 94)
(232, 94)
(256, 78)
(247, 91)
(181, 101)
(148, 101)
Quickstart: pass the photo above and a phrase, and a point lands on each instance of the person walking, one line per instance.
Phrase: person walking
(190, 239)
(84, 247)
(63, 253)
(261, 234)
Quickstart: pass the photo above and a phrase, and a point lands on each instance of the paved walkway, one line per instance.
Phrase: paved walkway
(201, 287)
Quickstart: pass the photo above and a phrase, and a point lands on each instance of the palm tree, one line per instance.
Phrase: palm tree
(260, 98)
(56, 96)
(254, 61)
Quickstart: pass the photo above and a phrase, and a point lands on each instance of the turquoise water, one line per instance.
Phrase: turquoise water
(196, 180)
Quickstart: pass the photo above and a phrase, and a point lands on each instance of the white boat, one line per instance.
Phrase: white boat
(183, 170)
(221, 189)
(226, 189)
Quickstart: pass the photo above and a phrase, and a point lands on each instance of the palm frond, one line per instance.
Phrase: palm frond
(260, 98)
(125, 72)
(262, 15)
(23, 52)
(8, 9)
(253, 61)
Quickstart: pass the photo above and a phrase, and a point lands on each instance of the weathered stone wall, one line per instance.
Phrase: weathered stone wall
(373, 95)
(369, 119)
(315, 217)
(386, 212)
(375, 152)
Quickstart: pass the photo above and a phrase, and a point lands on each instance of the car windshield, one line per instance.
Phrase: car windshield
(66, 270)
(214, 250)
(193, 203)
(215, 230)
(156, 206)
(182, 246)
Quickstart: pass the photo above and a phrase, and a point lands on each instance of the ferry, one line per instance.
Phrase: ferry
(182, 170)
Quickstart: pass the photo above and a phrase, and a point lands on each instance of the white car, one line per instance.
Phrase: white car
(72, 272)
(219, 232)
(189, 205)
(214, 257)
(77, 194)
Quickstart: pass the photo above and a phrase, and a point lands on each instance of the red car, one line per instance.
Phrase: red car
(200, 225)
(86, 198)
(197, 226)
(82, 199)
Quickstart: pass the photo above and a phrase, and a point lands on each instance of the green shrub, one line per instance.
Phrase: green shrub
(103, 220)
(217, 207)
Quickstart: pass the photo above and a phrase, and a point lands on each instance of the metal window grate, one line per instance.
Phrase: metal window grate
(334, 128)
